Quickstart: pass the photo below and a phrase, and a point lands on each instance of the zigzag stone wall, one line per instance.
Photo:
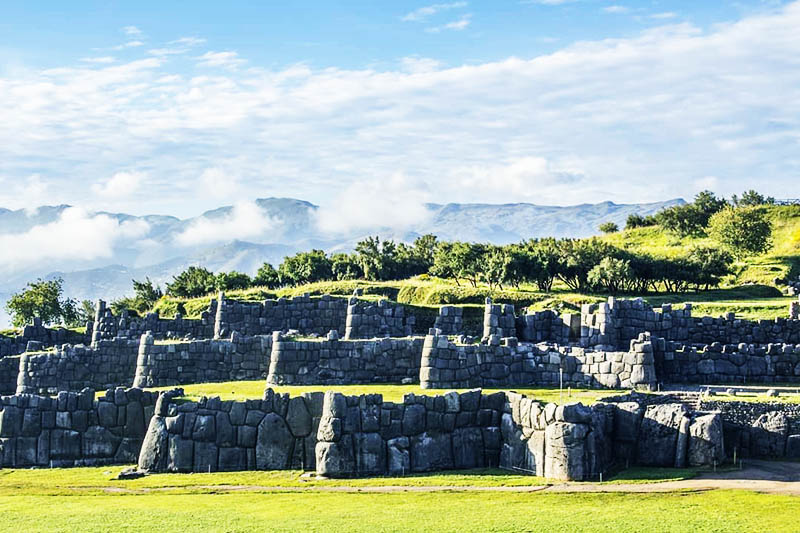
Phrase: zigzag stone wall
(9, 370)
(366, 320)
(40, 336)
(108, 326)
(275, 433)
(340, 362)
(73, 429)
(107, 363)
(727, 363)
(201, 361)
(302, 313)
(505, 362)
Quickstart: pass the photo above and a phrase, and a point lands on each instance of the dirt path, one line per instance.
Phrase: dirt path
(761, 476)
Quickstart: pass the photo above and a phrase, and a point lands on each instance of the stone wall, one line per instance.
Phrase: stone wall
(548, 326)
(73, 429)
(200, 361)
(505, 362)
(302, 313)
(499, 319)
(450, 320)
(9, 370)
(108, 326)
(107, 363)
(331, 361)
(275, 433)
(727, 363)
(794, 310)
(616, 322)
(758, 429)
(367, 320)
(363, 435)
(40, 337)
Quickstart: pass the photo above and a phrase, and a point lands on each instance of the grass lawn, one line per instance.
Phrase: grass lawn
(713, 511)
(243, 390)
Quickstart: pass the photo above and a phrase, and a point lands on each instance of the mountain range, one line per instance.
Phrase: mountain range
(106, 250)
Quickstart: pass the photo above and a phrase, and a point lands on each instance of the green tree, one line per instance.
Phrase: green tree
(743, 230)
(752, 198)
(610, 274)
(636, 220)
(42, 299)
(494, 268)
(345, 266)
(608, 227)
(691, 219)
(267, 276)
(579, 257)
(305, 267)
(192, 282)
(233, 280)
(712, 265)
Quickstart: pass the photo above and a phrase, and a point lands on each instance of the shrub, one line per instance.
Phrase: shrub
(744, 230)
(42, 299)
(192, 282)
(608, 227)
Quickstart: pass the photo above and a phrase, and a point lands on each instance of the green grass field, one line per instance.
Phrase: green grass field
(243, 390)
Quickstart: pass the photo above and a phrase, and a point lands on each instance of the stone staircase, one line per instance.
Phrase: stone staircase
(691, 399)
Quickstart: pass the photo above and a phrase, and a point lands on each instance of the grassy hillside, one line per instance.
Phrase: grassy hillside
(750, 291)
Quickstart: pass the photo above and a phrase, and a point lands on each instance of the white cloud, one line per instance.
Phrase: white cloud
(131, 30)
(120, 185)
(220, 59)
(456, 25)
(188, 41)
(617, 111)
(664, 15)
(104, 60)
(396, 203)
(129, 44)
(616, 9)
(424, 12)
(245, 221)
(76, 236)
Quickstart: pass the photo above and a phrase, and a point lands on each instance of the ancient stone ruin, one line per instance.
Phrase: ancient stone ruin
(49, 415)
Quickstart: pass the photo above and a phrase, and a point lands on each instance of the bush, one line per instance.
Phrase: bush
(610, 275)
(43, 299)
(608, 227)
(267, 276)
(743, 230)
(192, 282)
(228, 281)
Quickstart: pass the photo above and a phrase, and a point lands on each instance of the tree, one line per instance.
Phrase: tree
(425, 249)
(610, 275)
(752, 198)
(691, 219)
(378, 259)
(742, 230)
(494, 268)
(712, 265)
(192, 282)
(42, 299)
(267, 276)
(579, 257)
(548, 259)
(608, 227)
(305, 267)
(345, 266)
(233, 280)
(636, 220)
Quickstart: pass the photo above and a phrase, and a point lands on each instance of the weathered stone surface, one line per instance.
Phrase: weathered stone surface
(370, 454)
(153, 457)
(273, 444)
(298, 417)
(413, 419)
(565, 451)
(398, 456)
(769, 434)
(706, 446)
(181, 453)
(468, 448)
(431, 451)
(99, 442)
(658, 434)
(335, 458)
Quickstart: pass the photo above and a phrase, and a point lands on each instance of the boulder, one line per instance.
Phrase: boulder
(706, 447)
(431, 451)
(398, 457)
(658, 434)
(273, 444)
(565, 451)
(153, 456)
(769, 434)
(298, 417)
(335, 459)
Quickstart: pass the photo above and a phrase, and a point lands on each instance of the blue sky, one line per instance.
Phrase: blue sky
(373, 108)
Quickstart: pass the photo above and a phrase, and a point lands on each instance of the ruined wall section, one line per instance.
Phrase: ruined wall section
(109, 326)
(369, 320)
(36, 336)
(332, 361)
(108, 363)
(73, 429)
(202, 361)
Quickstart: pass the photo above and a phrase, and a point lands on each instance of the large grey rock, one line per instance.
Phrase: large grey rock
(181, 453)
(232, 459)
(658, 434)
(205, 457)
(335, 459)
(769, 434)
(706, 446)
(431, 451)
(99, 442)
(468, 448)
(398, 456)
(565, 451)
(370, 454)
(413, 419)
(298, 417)
(273, 444)
(10, 421)
(153, 456)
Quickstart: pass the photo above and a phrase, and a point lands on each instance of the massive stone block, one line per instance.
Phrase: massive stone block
(658, 434)
(273, 444)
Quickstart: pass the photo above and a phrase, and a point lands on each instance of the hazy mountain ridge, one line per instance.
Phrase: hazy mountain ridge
(290, 225)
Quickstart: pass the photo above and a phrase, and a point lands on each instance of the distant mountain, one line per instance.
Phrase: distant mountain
(507, 223)
(237, 238)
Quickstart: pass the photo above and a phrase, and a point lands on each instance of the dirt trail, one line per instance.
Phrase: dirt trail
(761, 476)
